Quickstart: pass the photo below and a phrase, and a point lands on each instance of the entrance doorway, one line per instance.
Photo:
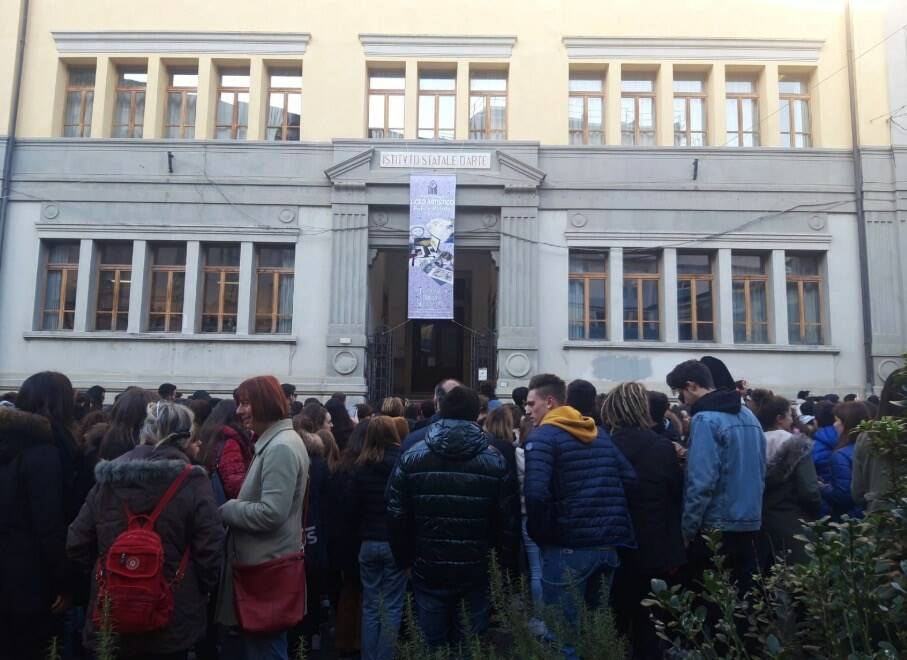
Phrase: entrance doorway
(422, 352)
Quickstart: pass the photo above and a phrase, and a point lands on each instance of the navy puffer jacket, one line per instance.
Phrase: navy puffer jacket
(574, 490)
(450, 501)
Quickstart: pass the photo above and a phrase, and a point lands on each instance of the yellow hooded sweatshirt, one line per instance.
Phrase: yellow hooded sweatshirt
(570, 420)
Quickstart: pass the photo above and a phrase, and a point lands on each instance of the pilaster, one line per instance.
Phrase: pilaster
(724, 285)
(616, 294)
(206, 103)
(85, 286)
(155, 98)
(462, 103)
(138, 288)
(104, 97)
(777, 304)
(670, 332)
(612, 103)
(664, 105)
(246, 278)
(258, 98)
(715, 114)
(192, 288)
(769, 104)
(411, 100)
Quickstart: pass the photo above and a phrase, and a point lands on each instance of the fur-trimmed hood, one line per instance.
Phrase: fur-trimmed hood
(19, 429)
(791, 449)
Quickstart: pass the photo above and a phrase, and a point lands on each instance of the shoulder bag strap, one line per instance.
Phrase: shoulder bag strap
(165, 500)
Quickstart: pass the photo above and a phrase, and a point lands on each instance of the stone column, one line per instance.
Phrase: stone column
(670, 332)
(138, 288)
(346, 341)
(85, 286)
(777, 299)
(518, 295)
(616, 294)
(724, 286)
(191, 298)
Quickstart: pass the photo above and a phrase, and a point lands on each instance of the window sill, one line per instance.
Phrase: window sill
(699, 347)
(159, 337)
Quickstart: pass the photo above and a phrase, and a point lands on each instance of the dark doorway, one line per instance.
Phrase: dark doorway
(437, 347)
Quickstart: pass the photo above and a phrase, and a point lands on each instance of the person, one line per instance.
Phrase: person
(850, 397)
(394, 408)
(575, 504)
(416, 436)
(33, 581)
(363, 412)
(426, 412)
(725, 473)
(96, 395)
(791, 486)
(498, 426)
(836, 492)
(658, 410)
(314, 418)
(383, 581)
(824, 439)
(654, 498)
(264, 520)
(873, 475)
(581, 396)
(721, 375)
(226, 449)
(200, 408)
(519, 395)
(340, 420)
(167, 392)
(188, 526)
(289, 391)
(486, 389)
(449, 504)
(126, 419)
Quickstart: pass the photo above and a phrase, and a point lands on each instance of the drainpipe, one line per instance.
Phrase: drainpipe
(13, 117)
(861, 215)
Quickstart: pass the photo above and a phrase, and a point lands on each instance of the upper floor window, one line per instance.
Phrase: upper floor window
(804, 298)
(695, 297)
(79, 101)
(742, 112)
(488, 105)
(587, 294)
(168, 282)
(221, 288)
(385, 104)
(58, 308)
(689, 111)
(284, 104)
(114, 279)
(794, 111)
(232, 104)
(750, 298)
(129, 113)
(642, 296)
(586, 105)
(637, 109)
(437, 104)
(182, 98)
(274, 292)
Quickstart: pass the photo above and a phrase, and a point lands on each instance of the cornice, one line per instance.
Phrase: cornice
(436, 46)
(335, 172)
(159, 41)
(680, 49)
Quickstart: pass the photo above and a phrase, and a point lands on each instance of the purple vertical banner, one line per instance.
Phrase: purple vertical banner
(432, 206)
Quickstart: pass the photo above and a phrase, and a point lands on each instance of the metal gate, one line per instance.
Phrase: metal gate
(380, 360)
(483, 356)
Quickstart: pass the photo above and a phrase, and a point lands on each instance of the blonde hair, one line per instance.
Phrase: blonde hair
(627, 406)
(167, 422)
(499, 424)
(393, 406)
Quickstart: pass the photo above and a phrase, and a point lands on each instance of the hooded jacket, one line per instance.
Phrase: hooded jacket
(139, 479)
(824, 442)
(449, 503)
(725, 467)
(574, 484)
(32, 524)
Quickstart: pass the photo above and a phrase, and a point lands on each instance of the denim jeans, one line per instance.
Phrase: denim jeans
(534, 561)
(383, 591)
(440, 613)
(237, 645)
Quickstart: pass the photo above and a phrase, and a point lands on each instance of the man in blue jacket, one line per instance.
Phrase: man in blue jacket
(575, 505)
(725, 473)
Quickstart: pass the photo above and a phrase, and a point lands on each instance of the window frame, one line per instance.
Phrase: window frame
(636, 96)
(791, 115)
(285, 91)
(276, 272)
(132, 90)
(486, 97)
(222, 271)
(738, 98)
(115, 312)
(638, 279)
(171, 270)
(436, 102)
(234, 126)
(686, 97)
(748, 320)
(585, 96)
(84, 90)
(67, 270)
(386, 94)
(586, 279)
(184, 92)
(694, 278)
(800, 281)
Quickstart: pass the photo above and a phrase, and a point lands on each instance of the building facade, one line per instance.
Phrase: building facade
(198, 199)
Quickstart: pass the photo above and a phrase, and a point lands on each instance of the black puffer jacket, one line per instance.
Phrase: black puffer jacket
(449, 503)
(368, 508)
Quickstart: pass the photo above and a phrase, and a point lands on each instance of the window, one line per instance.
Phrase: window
(695, 297)
(488, 105)
(642, 293)
(114, 278)
(742, 112)
(385, 104)
(587, 294)
(437, 104)
(79, 100)
(689, 111)
(168, 280)
(585, 109)
(232, 104)
(58, 309)
(182, 97)
(750, 295)
(221, 297)
(129, 113)
(794, 112)
(274, 293)
(284, 104)
(637, 110)
(804, 299)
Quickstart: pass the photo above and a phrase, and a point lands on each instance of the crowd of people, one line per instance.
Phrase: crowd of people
(245, 526)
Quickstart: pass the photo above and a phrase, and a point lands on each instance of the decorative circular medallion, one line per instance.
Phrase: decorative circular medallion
(817, 222)
(50, 211)
(132, 563)
(579, 220)
(489, 220)
(287, 215)
(380, 219)
(345, 363)
(887, 367)
(518, 364)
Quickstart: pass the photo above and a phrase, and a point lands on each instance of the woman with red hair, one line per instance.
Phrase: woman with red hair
(264, 519)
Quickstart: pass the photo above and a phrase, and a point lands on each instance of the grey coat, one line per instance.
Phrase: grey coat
(265, 520)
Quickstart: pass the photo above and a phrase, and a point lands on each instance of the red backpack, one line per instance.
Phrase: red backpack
(131, 575)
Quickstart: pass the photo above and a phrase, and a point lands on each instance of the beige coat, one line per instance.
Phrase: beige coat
(265, 521)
